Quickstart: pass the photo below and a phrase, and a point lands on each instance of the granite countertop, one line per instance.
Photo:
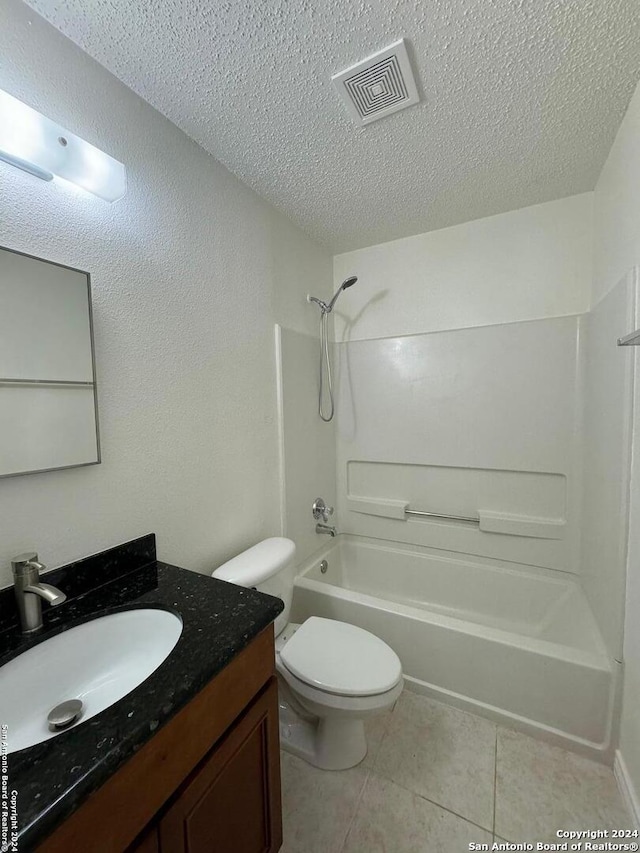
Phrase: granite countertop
(219, 619)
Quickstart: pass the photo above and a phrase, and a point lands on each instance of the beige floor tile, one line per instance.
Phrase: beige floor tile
(443, 754)
(391, 819)
(375, 728)
(317, 805)
(542, 788)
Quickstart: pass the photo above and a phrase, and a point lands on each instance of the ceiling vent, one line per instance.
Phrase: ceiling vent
(379, 85)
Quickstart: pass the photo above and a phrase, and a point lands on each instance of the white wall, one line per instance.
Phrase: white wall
(524, 265)
(617, 249)
(190, 270)
(617, 206)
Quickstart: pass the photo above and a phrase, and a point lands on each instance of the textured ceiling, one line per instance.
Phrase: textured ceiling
(521, 99)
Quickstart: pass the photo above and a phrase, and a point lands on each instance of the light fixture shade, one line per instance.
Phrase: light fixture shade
(38, 145)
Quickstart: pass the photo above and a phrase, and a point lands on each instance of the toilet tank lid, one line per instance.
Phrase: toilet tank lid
(259, 563)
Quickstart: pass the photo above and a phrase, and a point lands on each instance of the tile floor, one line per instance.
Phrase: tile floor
(436, 779)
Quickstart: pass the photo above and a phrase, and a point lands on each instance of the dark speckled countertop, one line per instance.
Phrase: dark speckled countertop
(219, 620)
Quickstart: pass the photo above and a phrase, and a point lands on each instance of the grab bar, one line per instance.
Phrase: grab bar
(440, 515)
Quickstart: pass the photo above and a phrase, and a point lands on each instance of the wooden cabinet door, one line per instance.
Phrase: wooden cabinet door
(231, 803)
(149, 842)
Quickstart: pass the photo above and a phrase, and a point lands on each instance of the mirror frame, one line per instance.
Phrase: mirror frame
(93, 368)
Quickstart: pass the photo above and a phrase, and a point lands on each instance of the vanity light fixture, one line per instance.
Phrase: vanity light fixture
(35, 144)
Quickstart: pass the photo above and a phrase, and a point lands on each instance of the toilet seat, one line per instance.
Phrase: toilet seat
(319, 702)
(341, 659)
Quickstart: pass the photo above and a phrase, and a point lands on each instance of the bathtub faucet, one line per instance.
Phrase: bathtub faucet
(325, 528)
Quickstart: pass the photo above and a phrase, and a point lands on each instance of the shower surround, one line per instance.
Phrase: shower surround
(520, 422)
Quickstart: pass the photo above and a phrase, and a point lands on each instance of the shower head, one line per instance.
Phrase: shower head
(327, 309)
(348, 282)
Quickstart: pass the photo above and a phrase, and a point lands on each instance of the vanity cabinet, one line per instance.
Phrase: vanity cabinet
(149, 843)
(232, 802)
(207, 782)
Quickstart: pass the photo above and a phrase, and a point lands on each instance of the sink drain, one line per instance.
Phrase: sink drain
(64, 714)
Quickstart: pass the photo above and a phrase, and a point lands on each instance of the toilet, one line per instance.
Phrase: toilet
(331, 675)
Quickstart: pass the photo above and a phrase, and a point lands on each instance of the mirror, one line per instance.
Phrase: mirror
(48, 404)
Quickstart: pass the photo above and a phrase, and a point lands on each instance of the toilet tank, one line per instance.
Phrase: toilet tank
(269, 567)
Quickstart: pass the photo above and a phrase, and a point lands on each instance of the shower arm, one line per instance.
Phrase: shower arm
(326, 309)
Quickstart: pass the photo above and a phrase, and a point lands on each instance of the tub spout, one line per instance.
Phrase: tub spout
(325, 528)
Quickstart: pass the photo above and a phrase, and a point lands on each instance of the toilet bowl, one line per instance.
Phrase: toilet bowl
(339, 675)
(331, 675)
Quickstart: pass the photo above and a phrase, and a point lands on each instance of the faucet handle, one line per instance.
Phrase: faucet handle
(321, 510)
(24, 562)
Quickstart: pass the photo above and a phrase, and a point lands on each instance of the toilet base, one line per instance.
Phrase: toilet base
(330, 743)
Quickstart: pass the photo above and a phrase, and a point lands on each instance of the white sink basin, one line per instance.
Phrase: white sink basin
(97, 662)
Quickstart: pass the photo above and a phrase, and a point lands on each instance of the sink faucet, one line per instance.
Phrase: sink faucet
(30, 592)
(326, 528)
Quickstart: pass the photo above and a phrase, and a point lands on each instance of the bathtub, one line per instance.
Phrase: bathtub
(518, 645)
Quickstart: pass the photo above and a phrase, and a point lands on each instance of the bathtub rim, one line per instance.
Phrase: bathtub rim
(558, 576)
(593, 659)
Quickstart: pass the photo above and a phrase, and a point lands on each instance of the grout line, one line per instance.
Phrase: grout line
(381, 775)
(369, 771)
(433, 802)
(385, 732)
(355, 810)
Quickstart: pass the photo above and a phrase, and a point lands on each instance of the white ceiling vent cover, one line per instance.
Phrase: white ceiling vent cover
(381, 84)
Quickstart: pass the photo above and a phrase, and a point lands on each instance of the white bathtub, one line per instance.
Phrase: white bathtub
(515, 644)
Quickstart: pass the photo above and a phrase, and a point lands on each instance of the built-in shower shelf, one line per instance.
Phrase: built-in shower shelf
(631, 340)
(522, 525)
(383, 507)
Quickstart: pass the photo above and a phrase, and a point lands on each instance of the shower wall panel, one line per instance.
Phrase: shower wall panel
(608, 400)
(308, 447)
(473, 422)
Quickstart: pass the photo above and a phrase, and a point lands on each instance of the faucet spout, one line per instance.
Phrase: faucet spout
(326, 528)
(51, 594)
(31, 592)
